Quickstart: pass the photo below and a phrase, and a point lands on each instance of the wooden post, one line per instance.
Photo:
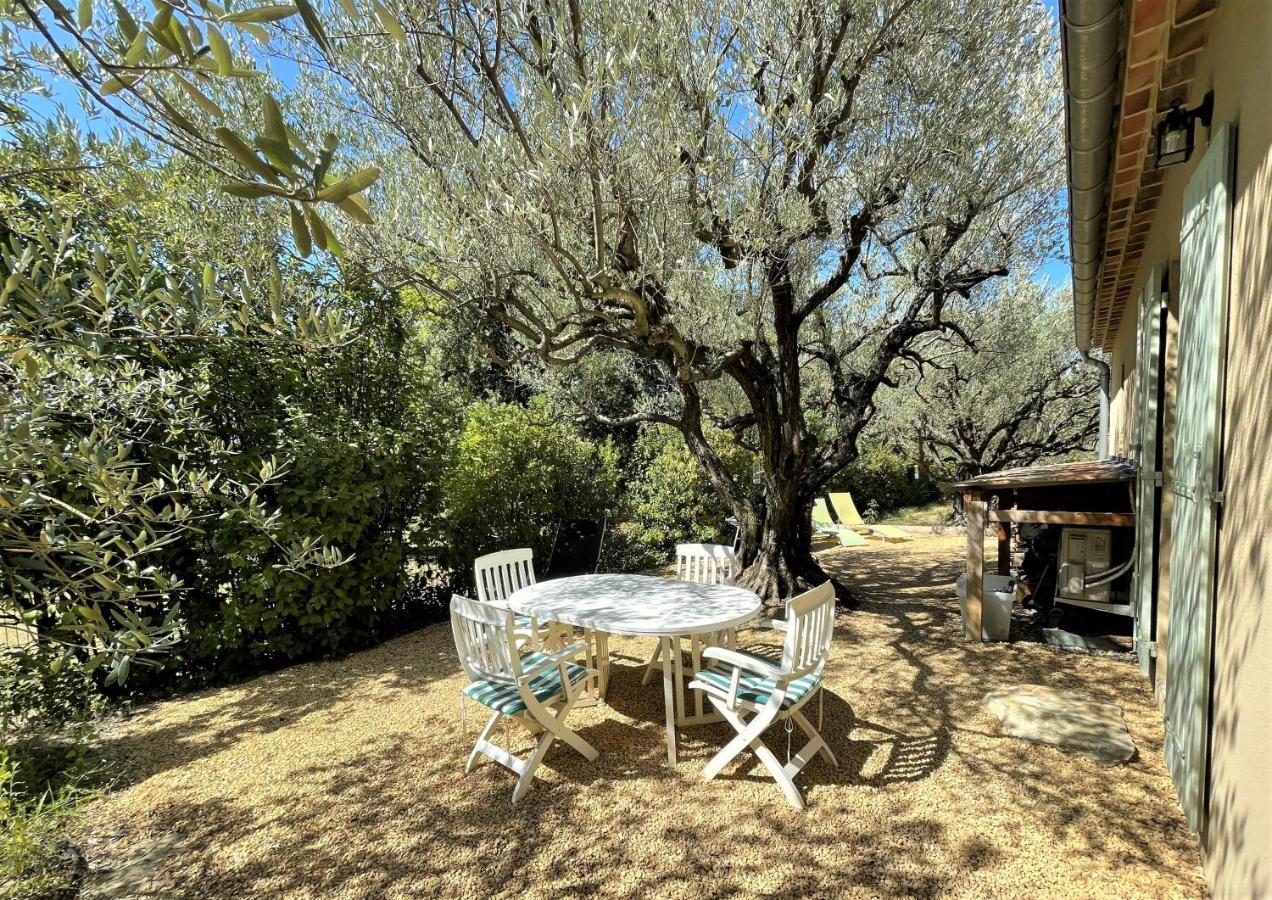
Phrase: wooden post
(975, 506)
(1004, 548)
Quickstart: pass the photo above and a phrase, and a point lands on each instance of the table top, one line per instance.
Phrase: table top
(637, 605)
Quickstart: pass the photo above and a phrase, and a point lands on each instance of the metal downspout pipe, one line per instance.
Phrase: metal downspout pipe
(1090, 33)
(1102, 443)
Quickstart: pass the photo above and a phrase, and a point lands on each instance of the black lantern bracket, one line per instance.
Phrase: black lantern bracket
(1175, 136)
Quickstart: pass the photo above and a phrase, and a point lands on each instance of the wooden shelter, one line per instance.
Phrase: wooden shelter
(1096, 493)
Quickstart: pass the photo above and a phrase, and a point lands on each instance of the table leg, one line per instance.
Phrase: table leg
(669, 696)
(691, 707)
(695, 651)
(602, 665)
(597, 657)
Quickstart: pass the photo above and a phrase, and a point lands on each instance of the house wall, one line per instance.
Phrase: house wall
(1122, 386)
(1237, 65)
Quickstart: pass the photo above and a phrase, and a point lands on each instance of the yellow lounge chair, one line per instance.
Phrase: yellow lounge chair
(850, 518)
(824, 524)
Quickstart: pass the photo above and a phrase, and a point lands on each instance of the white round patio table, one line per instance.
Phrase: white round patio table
(643, 606)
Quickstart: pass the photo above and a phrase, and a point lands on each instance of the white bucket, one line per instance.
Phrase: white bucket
(998, 596)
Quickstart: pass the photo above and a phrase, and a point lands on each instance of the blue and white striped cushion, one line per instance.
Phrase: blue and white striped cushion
(758, 688)
(505, 698)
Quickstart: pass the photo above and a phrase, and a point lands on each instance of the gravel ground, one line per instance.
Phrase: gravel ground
(344, 779)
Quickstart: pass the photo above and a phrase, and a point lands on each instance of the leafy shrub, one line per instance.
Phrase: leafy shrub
(97, 422)
(36, 859)
(668, 500)
(512, 477)
(358, 433)
(222, 462)
(41, 689)
(882, 480)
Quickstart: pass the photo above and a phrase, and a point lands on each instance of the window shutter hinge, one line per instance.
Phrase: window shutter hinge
(1215, 496)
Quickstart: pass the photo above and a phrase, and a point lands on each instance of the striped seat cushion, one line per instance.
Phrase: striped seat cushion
(756, 688)
(505, 698)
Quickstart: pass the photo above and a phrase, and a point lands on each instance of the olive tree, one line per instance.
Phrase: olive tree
(1019, 397)
(763, 204)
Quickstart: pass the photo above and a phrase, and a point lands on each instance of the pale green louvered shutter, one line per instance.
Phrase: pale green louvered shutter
(1148, 484)
(1204, 239)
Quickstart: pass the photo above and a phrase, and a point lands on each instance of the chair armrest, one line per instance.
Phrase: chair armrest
(741, 661)
(775, 624)
(553, 659)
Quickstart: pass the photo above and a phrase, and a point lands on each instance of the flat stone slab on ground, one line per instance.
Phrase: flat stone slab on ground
(1058, 637)
(1070, 720)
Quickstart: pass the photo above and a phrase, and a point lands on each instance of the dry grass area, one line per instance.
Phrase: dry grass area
(345, 779)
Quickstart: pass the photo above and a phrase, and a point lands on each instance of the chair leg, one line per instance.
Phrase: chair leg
(653, 661)
(531, 763)
(779, 774)
(538, 716)
(555, 724)
(814, 739)
(747, 734)
(480, 746)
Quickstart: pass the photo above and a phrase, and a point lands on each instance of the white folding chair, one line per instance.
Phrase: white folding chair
(752, 691)
(705, 564)
(15, 634)
(498, 576)
(537, 689)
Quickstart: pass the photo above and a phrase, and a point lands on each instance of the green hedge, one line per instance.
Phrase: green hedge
(512, 476)
(668, 500)
(358, 436)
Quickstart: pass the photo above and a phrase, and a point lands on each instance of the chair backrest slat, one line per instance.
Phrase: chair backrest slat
(484, 640)
(499, 575)
(810, 625)
(705, 563)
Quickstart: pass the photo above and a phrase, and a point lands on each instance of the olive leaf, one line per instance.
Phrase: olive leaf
(275, 130)
(220, 50)
(280, 155)
(313, 24)
(260, 14)
(329, 144)
(317, 227)
(388, 20)
(244, 154)
(353, 184)
(127, 24)
(136, 50)
(200, 98)
(300, 232)
(178, 117)
(118, 83)
(356, 208)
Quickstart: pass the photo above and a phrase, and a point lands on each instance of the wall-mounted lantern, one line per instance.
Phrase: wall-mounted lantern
(1175, 133)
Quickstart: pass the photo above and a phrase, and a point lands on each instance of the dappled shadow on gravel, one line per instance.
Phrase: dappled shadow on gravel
(345, 779)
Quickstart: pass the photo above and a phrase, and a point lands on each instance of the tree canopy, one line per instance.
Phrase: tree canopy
(762, 207)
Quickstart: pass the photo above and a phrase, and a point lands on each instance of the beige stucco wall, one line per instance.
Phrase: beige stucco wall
(1122, 387)
(1237, 64)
